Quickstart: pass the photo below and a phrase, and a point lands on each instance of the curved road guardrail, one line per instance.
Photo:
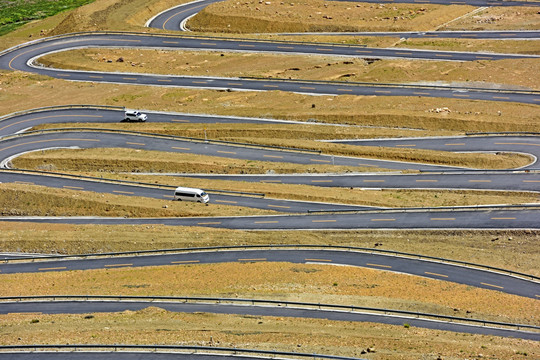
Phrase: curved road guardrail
(232, 352)
(34, 302)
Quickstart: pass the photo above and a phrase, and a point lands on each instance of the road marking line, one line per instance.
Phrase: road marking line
(179, 148)
(44, 141)
(364, 51)
(484, 57)
(463, 95)
(122, 192)
(235, 84)
(406, 145)
(185, 262)
(495, 286)
(325, 260)
(321, 181)
(226, 152)
(199, 82)
(443, 55)
(206, 43)
(373, 180)
(421, 93)
(73, 187)
(427, 180)
(517, 144)
(271, 86)
(321, 49)
(63, 75)
(285, 47)
(246, 45)
(344, 89)
(503, 218)
(134, 143)
(95, 77)
(273, 156)
(403, 53)
(118, 265)
(270, 181)
(443, 219)
(227, 202)
(164, 80)
(501, 97)
(209, 223)
(170, 42)
(323, 220)
(279, 206)
(486, 181)
(531, 181)
(383, 266)
(455, 144)
(383, 91)
(307, 88)
(169, 196)
(129, 78)
(435, 274)
(266, 222)
(24, 182)
(180, 120)
(255, 259)
(25, 313)
(383, 219)
(53, 268)
(327, 161)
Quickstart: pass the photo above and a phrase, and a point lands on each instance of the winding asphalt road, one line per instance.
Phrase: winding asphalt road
(23, 59)
(20, 58)
(438, 270)
(13, 146)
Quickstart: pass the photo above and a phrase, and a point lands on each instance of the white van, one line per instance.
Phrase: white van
(134, 115)
(190, 194)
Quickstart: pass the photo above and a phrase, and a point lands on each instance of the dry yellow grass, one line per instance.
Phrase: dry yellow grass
(519, 73)
(297, 137)
(156, 326)
(499, 18)
(527, 47)
(23, 91)
(32, 200)
(514, 250)
(317, 16)
(284, 281)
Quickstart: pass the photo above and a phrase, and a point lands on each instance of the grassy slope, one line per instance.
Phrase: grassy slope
(26, 91)
(504, 73)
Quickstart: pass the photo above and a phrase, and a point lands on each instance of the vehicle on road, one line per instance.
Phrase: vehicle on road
(190, 194)
(134, 116)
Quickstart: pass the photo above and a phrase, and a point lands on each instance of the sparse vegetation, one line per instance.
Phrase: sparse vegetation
(377, 116)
